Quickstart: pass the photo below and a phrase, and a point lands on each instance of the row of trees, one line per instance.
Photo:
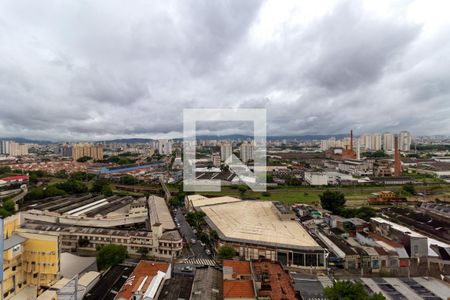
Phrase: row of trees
(68, 187)
(348, 290)
(334, 201)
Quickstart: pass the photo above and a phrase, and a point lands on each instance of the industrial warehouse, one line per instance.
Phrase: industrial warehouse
(260, 229)
(86, 222)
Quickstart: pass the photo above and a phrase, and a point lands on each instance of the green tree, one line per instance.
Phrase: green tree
(333, 201)
(4, 213)
(84, 159)
(213, 235)
(196, 219)
(226, 252)
(34, 193)
(61, 174)
(52, 191)
(72, 186)
(110, 255)
(5, 170)
(347, 290)
(128, 179)
(242, 189)
(32, 178)
(82, 176)
(9, 205)
(143, 251)
(409, 189)
(107, 190)
(204, 237)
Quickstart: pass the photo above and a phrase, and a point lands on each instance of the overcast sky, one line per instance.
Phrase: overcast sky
(104, 69)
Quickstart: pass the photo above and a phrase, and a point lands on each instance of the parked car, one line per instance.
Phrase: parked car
(193, 241)
(187, 269)
(208, 252)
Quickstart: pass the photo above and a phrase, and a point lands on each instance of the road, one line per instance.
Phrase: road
(197, 251)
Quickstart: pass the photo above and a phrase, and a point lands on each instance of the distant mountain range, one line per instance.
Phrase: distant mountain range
(200, 137)
(25, 141)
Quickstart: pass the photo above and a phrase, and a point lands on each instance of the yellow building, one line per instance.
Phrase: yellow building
(29, 259)
(94, 151)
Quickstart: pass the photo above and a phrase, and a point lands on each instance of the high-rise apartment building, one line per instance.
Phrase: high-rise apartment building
(388, 142)
(4, 147)
(16, 149)
(165, 147)
(404, 141)
(65, 150)
(366, 141)
(225, 151)
(376, 142)
(246, 150)
(93, 151)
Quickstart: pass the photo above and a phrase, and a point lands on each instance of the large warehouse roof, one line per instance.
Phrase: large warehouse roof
(257, 222)
(199, 201)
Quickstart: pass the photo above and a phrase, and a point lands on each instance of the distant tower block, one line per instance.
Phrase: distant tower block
(397, 164)
(358, 150)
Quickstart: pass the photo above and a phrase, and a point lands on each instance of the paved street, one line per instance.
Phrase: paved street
(196, 250)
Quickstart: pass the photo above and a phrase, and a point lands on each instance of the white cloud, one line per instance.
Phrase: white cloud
(95, 70)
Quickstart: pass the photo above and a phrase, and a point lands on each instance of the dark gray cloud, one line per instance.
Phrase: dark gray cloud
(97, 70)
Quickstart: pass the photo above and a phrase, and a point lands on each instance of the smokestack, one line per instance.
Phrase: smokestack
(397, 162)
(351, 139)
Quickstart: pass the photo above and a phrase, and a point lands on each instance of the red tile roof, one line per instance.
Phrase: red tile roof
(24, 177)
(144, 269)
(239, 267)
(280, 282)
(238, 289)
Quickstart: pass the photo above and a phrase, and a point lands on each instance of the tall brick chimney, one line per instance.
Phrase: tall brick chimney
(351, 139)
(397, 162)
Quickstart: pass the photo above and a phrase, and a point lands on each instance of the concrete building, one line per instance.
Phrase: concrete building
(376, 142)
(4, 147)
(165, 147)
(89, 150)
(405, 140)
(207, 285)
(13, 148)
(255, 229)
(388, 142)
(225, 151)
(316, 178)
(246, 151)
(65, 150)
(29, 259)
(355, 167)
(98, 221)
(215, 158)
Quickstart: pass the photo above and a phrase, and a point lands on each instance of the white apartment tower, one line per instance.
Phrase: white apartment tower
(404, 141)
(246, 151)
(376, 142)
(165, 147)
(388, 142)
(225, 151)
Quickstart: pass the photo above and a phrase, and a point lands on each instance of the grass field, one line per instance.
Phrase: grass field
(291, 197)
